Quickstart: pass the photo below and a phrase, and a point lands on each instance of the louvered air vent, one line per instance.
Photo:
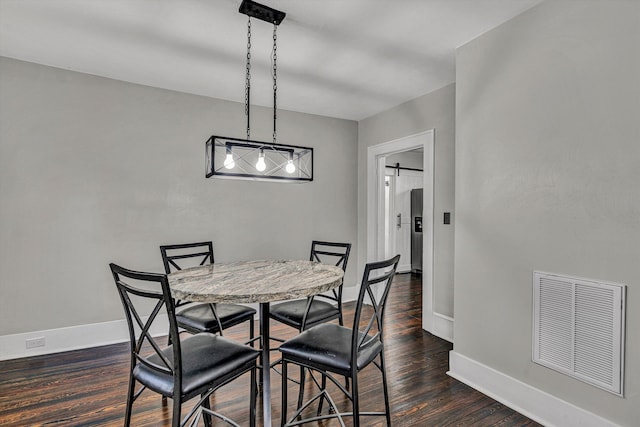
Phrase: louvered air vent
(578, 329)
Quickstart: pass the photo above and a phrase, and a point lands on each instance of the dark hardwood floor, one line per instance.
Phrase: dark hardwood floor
(88, 387)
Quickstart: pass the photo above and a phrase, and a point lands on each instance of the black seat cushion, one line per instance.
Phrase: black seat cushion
(328, 347)
(199, 317)
(206, 359)
(292, 312)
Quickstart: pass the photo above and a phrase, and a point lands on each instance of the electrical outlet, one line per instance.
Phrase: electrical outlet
(35, 342)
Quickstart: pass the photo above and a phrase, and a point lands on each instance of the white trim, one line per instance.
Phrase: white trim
(95, 334)
(350, 293)
(392, 207)
(73, 338)
(379, 186)
(529, 401)
(404, 268)
(443, 326)
(375, 251)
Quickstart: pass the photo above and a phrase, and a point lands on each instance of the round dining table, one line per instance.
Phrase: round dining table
(260, 282)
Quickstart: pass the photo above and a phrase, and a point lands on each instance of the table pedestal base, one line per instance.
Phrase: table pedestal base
(265, 362)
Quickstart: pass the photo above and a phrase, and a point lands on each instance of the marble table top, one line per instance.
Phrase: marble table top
(253, 281)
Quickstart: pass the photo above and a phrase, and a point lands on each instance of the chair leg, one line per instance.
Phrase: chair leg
(252, 399)
(127, 415)
(252, 335)
(177, 406)
(283, 416)
(384, 387)
(164, 398)
(260, 368)
(355, 398)
(324, 387)
(301, 389)
(346, 377)
(205, 416)
(251, 331)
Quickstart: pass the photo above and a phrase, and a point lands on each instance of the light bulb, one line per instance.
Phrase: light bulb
(228, 161)
(260, 164)
(290, 168)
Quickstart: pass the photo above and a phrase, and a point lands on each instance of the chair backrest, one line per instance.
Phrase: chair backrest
(334, 254)
(330, 253)
(178, 257)
(372, 299)
(144, 296)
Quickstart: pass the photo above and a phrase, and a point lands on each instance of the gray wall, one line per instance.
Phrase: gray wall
(408, 159)
(548, 178)
(432, 111)
(94, 171)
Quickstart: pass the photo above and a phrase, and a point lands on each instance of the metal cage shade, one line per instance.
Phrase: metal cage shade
(256, 160)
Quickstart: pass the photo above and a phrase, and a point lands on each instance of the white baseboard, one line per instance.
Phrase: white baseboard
(350, 293)
(529, 401)
(73, 338)
(93, 335)
(442, 326)
(403, 268)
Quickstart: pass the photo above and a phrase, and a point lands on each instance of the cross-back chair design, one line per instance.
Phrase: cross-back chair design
(316, 309)
(305, 313)
(200, 317)
(194, 367)
(334, 349)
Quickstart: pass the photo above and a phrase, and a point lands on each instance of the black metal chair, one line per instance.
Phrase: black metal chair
(196, 318)
(194, 367)
(303, 314)
(329, 348)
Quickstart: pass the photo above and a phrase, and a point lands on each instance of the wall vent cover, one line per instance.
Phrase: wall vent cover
(578, 328)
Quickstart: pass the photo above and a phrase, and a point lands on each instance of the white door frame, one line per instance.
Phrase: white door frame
(375, 209)
(391, 209)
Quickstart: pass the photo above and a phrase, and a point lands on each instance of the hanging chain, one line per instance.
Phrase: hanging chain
(247, 87)
(275, 80)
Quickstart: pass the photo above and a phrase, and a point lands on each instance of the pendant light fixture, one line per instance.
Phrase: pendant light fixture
(249, 159)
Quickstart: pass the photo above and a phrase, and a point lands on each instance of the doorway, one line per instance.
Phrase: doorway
(403, 209)
(376, 224)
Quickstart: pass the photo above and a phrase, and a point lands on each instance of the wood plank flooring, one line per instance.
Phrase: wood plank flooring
(88, 387)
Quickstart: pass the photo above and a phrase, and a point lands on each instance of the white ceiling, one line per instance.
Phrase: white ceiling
(340, 58)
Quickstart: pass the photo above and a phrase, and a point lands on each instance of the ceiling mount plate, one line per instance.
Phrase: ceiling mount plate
(262, 12)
